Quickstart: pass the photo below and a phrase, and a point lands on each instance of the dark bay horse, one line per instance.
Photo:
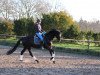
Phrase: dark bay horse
(28, 43)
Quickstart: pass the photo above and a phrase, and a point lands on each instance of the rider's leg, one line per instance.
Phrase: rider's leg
(41, 38)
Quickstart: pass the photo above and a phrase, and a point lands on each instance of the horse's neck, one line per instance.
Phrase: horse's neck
(50, 37)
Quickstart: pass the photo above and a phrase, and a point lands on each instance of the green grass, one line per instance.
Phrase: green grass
(8, 42)
(76, 46)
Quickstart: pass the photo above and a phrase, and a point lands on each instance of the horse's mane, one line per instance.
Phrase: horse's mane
(51, 34)
(53, 31)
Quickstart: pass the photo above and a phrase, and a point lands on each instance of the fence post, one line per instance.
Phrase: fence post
(88, 41)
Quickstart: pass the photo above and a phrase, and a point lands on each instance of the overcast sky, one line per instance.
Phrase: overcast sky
(85, 9)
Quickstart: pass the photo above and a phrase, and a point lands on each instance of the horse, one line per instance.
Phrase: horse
(28, 43)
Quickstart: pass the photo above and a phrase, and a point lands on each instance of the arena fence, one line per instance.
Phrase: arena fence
(5, 36)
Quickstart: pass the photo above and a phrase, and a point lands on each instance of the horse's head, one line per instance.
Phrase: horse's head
(49, 36)
(57, 34)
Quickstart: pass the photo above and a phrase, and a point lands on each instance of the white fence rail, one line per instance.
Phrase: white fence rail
(91, 41)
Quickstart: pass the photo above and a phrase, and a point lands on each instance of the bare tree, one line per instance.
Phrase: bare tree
(23, 8)
(56, 5)
(17, 9)
(6, 8)
(32, 7)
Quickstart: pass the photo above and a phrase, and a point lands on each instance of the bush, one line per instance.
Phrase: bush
(89, 35)
(96, 37)
(81, 35)
(6, 27)
(57, 20)
(72, 32)
(24, 27)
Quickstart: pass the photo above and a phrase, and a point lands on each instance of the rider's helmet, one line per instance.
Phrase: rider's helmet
(38, 21)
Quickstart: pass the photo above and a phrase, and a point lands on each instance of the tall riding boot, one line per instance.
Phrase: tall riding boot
(41, 43)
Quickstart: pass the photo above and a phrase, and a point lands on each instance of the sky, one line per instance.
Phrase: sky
(86, 9)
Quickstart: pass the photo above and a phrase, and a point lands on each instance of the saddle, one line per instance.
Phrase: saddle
(36, 40)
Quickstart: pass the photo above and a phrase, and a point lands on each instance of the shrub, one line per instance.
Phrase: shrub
(24, 26)
(6, 27)
(72, 32)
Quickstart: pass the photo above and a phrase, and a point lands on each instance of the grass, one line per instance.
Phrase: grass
(8, 42)
(77, 48)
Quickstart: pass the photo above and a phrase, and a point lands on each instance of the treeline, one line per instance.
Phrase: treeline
(90, 25)
(55, 20)
(25, 26)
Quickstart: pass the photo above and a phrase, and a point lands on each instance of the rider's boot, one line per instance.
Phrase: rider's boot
(41, 43)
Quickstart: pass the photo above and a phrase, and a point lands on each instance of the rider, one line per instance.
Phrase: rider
(38, 30)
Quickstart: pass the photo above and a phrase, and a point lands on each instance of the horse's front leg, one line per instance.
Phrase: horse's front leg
(52, 53)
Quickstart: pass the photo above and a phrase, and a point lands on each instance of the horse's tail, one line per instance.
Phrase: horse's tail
(14, 48)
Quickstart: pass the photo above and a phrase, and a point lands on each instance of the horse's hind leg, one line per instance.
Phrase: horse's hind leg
(29, 49)
(21, 55)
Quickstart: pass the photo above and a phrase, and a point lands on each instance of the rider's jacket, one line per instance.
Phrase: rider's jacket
(37, 28)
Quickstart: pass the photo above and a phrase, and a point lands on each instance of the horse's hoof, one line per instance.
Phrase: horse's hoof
(37, 61)
(20, 60)
(51, 58)
(54, 62)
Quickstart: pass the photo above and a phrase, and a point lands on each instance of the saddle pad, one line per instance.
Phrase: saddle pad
(36, 40)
